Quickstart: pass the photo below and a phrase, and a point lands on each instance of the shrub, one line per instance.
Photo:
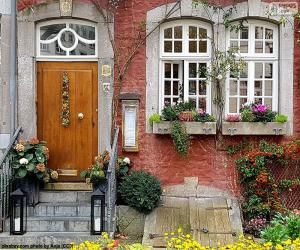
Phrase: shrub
(169, 113)
(180, 138)
(281, 118)
(154, 118)
(282, 228)
(247, 115)
(141, 191)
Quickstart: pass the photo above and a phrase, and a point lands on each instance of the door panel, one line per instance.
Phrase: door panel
(72, 148)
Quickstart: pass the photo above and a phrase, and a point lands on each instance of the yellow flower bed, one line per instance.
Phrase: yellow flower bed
(180, 241)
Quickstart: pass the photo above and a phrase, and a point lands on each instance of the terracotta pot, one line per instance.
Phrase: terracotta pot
(186, 116)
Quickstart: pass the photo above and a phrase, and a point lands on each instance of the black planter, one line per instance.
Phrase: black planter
(102, 186)
(31, 187)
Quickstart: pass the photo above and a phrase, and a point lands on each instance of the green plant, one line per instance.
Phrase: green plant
(180, 138)
(201, 116)
(281, 118)
(96, 173)
(141, 191)
(154, 118)
(282, 227)
(124, 164)
(30, 158)
(247, 115)
(169, 113)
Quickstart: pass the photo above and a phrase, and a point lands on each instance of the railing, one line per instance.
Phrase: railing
(5, 180)
(111, 193)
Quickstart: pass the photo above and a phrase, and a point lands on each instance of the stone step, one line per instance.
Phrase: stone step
(61, 209)
(44, 240)
(65, 196)
(56, 224)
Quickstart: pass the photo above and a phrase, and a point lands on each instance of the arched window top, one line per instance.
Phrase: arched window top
(257, 38)
(185, 38)
(66, 39)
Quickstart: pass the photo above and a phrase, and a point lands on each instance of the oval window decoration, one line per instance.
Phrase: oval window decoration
(67, 39)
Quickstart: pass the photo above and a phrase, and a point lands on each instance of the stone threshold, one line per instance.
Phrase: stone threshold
(68, 186)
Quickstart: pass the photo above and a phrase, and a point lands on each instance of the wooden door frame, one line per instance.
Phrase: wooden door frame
(95, 103)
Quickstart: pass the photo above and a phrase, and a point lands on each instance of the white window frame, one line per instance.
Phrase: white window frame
(251, 58)
(184, 57)
(78, 38)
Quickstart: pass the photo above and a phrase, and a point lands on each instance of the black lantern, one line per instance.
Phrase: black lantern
(97, 212)
(18, 212)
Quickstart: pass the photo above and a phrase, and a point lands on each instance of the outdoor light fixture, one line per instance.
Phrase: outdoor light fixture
(18, 213)
(97, 212)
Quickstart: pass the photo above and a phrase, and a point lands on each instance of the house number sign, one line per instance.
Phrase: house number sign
(65, 102)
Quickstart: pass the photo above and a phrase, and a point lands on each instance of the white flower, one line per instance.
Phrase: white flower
(126, 160)
(23, 161)
(219, 77)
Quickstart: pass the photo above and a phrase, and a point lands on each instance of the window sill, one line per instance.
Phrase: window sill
(192, 128)
(254, 128)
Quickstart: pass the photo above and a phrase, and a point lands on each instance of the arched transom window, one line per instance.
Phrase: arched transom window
(184, 54)
(67, 39)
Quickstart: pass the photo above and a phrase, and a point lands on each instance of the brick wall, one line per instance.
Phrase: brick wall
(157, 154)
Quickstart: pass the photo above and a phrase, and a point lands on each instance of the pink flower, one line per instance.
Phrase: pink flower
(260, 108)
(201, 112)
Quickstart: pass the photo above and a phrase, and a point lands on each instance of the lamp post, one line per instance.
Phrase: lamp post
(18, 213)
(97, 212)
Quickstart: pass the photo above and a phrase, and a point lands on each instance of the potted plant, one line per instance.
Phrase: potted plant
(255, 119)
(96, 174)
(29, 164)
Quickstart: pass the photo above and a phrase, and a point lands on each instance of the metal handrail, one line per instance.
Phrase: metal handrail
(5, 180)
(111, 193)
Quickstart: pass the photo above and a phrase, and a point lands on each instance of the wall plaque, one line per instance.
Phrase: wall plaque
(66, 7)
(130, 125)
(106, 70)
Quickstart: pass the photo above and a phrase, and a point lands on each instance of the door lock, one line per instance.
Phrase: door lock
(80, 116)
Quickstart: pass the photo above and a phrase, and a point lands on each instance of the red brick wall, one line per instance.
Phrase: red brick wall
(157, 154)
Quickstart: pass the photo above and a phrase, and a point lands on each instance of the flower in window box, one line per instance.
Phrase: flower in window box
(23, 161)
(41, 167)
(19, 147)
(233, 118)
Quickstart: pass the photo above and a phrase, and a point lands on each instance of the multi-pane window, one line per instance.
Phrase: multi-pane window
(185, 57)
(257, 44)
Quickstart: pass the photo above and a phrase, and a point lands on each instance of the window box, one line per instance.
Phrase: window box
(254, 128)
(192, 128)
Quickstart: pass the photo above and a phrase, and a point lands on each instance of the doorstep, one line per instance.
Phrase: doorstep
(68, 186)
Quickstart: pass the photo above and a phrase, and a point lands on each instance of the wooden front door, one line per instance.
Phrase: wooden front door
(67, 100)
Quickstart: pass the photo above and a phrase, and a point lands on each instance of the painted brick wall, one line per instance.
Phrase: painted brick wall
(157, 154)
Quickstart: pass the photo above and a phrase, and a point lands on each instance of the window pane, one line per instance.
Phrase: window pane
(244, 33)
(269, 34)
(192, 87)
(192, 70)
(175, 70)
(258, 100)
(268, 70)
(202, 88)
(168, 46)
(202, 70)
(234, 44)
(52, 49)
(268, 88)
(269, 47)
(87, 32)
(202, 103)
(167, 70)
(167, 87)
(258, 70)
(259, 47)
(192, 32)
(67, 39)
(193, 47)
(168, 33)
(233, 87)
(193, 101)
(84, 49)
(232, 105)
(243, 88)
(178, 32)
(259, 32)
(244, 72)
(202, 33)
(244, 47)
(258, 88)
(175, 101)
(167, 101)
(202, 46)
(242, 102)
(268, 102)
(178, 46)
(50, 31)
(234, 34)
(175, 87)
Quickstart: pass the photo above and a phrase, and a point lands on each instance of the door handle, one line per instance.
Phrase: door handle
(80, 116)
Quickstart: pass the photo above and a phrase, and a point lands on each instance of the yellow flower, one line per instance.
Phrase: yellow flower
(180, 230)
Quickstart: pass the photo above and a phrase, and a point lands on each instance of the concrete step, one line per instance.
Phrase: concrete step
(56, 224)
(65, 196)
(44, 240)
(61, 209)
